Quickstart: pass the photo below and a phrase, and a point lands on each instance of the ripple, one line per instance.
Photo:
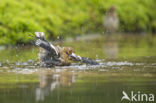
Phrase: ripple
(22, 63)
(24, 70)
(101, 65)
(32, 66)
(118, 63)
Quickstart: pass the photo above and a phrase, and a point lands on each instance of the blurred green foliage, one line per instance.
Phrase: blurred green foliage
(70, 17)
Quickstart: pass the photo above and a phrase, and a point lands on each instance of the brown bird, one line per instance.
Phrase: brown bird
(111, 20)
(50, 55)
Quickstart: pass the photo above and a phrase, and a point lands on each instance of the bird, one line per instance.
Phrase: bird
(50, 55)
(111, 20)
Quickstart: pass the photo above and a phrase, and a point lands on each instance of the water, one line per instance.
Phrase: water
(126, 64)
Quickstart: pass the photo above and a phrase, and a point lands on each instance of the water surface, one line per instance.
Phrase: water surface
(127, 63)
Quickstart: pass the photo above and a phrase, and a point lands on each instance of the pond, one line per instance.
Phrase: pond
(127, 64)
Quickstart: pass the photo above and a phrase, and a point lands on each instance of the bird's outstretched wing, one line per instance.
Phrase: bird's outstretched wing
(41, 42)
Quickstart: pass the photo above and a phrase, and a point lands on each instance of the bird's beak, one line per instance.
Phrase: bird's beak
(73, 56)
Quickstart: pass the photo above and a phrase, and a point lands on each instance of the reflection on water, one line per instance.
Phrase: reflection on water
(49, 82)
(110, 46)
(74, 84)
(64, 86)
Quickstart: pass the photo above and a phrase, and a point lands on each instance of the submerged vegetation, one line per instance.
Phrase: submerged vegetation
(62, 18)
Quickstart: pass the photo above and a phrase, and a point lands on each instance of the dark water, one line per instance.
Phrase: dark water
(126, 64)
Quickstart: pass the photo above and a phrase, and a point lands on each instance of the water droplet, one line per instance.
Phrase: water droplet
(0, 64)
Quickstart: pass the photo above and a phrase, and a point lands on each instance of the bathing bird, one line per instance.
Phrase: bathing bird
(50, 55)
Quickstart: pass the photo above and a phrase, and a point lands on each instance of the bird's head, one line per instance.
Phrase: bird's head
(71, 54)
(68, 50)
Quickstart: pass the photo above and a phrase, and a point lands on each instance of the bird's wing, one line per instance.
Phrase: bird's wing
(40, 35)
(41, 42)
(47, 46)
(83, 59)
(89, 61)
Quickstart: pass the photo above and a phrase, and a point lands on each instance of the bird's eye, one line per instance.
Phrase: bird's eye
(67, 53)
